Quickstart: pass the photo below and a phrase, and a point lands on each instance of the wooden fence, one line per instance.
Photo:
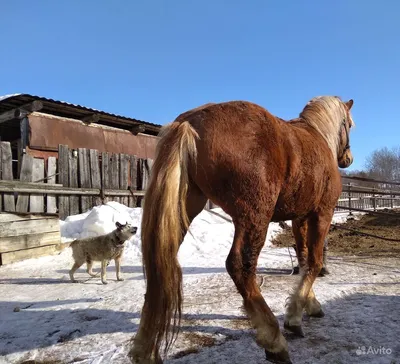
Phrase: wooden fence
(73, 183)
(24, 236)
(379, 195)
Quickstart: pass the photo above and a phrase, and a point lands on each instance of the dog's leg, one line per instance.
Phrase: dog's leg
(73, 270)
(118, 268)
(89, 268)
(103, 271)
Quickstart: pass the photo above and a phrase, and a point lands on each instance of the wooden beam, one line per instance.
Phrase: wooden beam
(21, 112)
(372, 180)
(135, 130)
(12, 257)
(27, 187)
(29, 227)
(22, 216)
(93, 118)
(13, 243)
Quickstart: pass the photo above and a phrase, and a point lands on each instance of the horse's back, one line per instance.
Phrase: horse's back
(239, 145)
(245, 150)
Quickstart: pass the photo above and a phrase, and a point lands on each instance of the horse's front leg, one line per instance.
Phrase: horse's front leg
(304, 297)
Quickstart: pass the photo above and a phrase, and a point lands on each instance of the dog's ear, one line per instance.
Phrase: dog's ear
(118, 225)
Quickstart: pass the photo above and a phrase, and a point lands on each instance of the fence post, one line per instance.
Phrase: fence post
(373, 198)
(391, 197)
(349, 195)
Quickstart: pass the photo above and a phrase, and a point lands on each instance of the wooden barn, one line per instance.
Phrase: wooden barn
(58, 159)
(37, 126)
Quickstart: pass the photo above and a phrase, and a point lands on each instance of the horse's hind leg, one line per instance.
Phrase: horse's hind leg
(300, 228)
(304, 297)
(241, 265)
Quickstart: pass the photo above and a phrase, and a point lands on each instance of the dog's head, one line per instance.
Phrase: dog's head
(125, 232)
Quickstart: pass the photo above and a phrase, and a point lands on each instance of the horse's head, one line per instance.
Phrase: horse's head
(331, 117)
(345, 157)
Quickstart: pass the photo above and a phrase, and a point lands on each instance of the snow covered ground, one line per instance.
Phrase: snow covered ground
(45, 317)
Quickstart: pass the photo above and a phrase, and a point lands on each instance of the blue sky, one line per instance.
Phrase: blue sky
(154, 59)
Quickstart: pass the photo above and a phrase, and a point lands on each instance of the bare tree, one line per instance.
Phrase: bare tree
(384, 163)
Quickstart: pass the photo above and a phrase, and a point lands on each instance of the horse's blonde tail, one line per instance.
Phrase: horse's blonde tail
(164, 224)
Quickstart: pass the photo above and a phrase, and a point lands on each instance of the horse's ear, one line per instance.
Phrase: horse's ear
(349, 103)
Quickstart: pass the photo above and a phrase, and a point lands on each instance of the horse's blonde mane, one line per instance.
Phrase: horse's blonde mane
(326, 114)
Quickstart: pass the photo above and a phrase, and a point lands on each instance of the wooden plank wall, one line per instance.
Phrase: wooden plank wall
(82, 168)
(7, 175)
(24, 236)
(87, 168)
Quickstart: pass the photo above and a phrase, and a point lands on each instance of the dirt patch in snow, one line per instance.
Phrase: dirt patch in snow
(344, 242)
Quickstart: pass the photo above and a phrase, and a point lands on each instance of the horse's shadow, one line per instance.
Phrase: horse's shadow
(351, 322)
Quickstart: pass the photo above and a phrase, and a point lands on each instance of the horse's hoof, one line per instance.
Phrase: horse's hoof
(323, 272)
(281, 357)
(295, 329)
(318, 314)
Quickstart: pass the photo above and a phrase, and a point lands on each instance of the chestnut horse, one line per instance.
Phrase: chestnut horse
(258, 168)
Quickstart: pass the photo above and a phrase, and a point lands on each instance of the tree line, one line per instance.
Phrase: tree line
(382, 164)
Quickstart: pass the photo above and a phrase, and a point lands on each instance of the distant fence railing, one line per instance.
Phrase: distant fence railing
(373, 195)
(72, 183)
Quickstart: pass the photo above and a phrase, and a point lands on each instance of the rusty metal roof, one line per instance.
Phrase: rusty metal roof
(66, 109)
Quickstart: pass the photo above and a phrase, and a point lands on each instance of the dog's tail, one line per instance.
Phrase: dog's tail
(69, 244)
(164, 225)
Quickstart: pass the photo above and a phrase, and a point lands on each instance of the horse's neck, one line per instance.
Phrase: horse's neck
(296, 121)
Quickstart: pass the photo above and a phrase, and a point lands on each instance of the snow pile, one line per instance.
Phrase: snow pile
(97, 221)
(208, 242)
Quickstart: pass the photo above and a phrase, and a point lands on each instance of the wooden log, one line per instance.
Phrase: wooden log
(28, 227)
(25, 176)
(64, 191)
(140, 180)
(147, 165)
(1, 168)
(372, 212)
(140, 128)
(17, 256)
(51, 179)
(36, 201)
(7, 174)
(105, 173)
(73, 182)
(363, 179)
(124, 176)
(133, 180)
(84, 177)
(10, 217)
(13, 243)
(21, 112)
(114, 174)
(63, 178)
(92, 118)
(24, 141)
(95, 174)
